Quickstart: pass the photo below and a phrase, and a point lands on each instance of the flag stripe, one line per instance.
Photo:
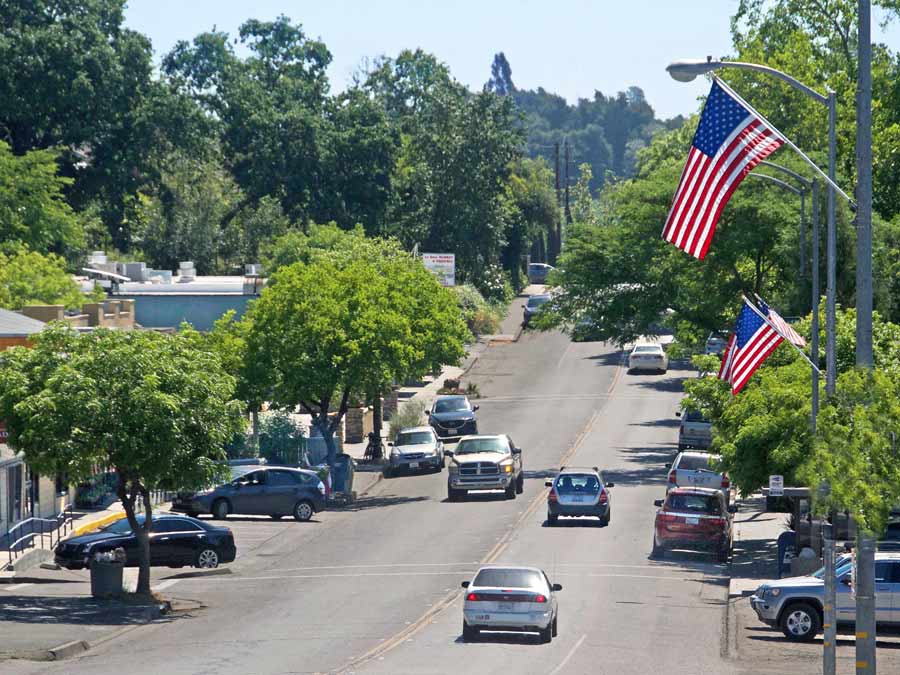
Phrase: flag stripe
(727, 359)
(696, 166)
(753, 354)
(679, 193)
(739, 382)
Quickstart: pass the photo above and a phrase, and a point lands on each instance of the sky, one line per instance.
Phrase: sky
(569, 47)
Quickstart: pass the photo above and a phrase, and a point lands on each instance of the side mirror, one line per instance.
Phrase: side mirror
(475, 407)
(548, 483)
(465, 584)
(517, 451)
(677, 413)
(609, 485)
(556, 587)
(657, 502)
(732, 508)
(668, 465)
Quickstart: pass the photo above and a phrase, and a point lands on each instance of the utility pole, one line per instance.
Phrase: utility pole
(568, 210)
(554, 232)
(864, 584)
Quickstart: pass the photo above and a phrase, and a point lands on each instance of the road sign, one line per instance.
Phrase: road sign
(442, 265)
(776, 486)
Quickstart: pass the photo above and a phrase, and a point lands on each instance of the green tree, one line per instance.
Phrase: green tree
(531, 212)
(148, 405)
(330, 330)
(30, 278)
(33, 209)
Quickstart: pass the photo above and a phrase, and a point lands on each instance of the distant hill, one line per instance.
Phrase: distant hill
(606, 131)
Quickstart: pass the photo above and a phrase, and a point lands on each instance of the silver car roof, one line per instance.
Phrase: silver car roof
(409, 430)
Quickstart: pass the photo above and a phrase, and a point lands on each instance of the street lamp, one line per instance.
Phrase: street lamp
(686, 70)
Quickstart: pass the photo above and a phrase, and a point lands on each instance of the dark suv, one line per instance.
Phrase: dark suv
(267, 491)
(453, 416)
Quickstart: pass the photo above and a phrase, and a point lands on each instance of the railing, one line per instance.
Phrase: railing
(24, 535)
(156, 497)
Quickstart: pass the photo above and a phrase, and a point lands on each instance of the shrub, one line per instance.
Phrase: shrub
(410, 414)
(495, 285)
(484, 322)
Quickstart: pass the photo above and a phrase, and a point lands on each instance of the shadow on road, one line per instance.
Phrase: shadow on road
(496, 496)
(504, 638)
(607, 359)
(669, 384)
(654, 475)
(379, 502)
(576, 522)
(33, 609)
(672, 423)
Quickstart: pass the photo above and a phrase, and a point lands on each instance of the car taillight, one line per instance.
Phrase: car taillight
(540, 598)
(718, 522)
(603, 497)
(667, 517)
(551, 497)
(725, 482)
(672, 477)
(473, 597)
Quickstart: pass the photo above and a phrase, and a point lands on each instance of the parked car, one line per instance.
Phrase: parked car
(586, 329)
(175, 541)
(485, 463)
(716, 343)
(695, 430)
(416, 448)
(537, 272)
(694, 518)
(518, 599)
(890, 541)
(697, 469)
(578, 492)
(267, 491)
(533, 306)
(453, 416)
(648, 357)
(795, 604)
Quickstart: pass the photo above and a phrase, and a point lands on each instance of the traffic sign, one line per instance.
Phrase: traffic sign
(776, 486)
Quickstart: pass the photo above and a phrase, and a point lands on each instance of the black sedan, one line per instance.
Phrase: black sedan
(175, 541)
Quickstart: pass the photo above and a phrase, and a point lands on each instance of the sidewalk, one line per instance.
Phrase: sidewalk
(753, 644)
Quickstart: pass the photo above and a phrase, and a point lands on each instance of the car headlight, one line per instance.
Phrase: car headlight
(774, 592)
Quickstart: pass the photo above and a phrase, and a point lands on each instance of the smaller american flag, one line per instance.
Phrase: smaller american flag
(751, 343)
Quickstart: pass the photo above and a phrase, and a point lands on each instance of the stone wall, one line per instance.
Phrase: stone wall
(357, 424)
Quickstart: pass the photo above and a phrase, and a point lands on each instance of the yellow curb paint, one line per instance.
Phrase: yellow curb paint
(862, 635)
(97, 524)
(862, 664)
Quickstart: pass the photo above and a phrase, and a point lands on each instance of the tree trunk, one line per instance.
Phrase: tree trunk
(128, 497)
(254, 438)
(321, 423)
(376, 418)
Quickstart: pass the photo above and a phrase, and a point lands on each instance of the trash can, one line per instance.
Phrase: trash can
(342, 478)
(106, 578)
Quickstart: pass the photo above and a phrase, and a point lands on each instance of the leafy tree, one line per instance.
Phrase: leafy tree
(532, 212)
(148, 405)
(31, 278)
(33, 209)
(501, 77)
(330, 330)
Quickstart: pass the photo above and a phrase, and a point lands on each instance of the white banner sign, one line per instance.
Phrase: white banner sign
(776, 486)
(442, 265)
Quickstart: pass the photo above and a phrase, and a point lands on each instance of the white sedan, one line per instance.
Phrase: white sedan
(648, 357)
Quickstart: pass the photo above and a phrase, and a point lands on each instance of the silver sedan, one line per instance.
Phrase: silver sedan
(519, 599)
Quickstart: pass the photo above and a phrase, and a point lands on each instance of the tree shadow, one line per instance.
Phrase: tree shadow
(379, 502)
(673, 423)
(76, 610)
(607, 359)
(673, 385)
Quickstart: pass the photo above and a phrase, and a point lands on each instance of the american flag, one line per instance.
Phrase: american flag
(752, 342)
(730, 141)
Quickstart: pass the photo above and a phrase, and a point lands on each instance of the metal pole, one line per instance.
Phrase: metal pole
(829, 625)
(803, 234)
(831, 254)
(814, 306)
(865, 588)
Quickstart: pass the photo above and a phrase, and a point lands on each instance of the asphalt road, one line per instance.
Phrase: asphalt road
(375, 588)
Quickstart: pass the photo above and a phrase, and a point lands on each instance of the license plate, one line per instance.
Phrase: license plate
(692, 521)
(482, 617)
(413, 465)
(579, 499)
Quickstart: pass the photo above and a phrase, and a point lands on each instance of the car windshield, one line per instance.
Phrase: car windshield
(443, 405)
(647, 349)
(695, 462)
(841, 566)
(577, 483)
(121, 526)
(694, 416)
(509, 578)
(694, 503)
(538, 300)
(414, 438)
(470, 446)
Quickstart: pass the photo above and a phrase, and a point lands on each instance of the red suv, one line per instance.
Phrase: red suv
(693, 518)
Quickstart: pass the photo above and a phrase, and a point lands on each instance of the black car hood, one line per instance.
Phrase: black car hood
(453, 415)
(95, 537)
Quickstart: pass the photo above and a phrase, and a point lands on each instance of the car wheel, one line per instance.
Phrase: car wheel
(388, 472)
(555, 631)
(207, 559)
(520, 484)
(604, 520)
(303, 511)
(800, 622)
(453, 495)
(552, 519)
(722, 554)
(220, 509)
(470, 633)
(658, 551)
(511, 491)
(547, 633)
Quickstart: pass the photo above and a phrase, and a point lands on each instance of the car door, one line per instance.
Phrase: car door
(887, 591)
(250, 494)
(163, 544)
(282, 491)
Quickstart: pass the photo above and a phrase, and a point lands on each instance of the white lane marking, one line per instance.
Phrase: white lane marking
(15, 587)
(571, 653)
(355, 567)
(165, 584)
(565, 351)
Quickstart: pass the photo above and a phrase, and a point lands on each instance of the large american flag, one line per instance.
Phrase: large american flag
(752, 342)
(730, 141)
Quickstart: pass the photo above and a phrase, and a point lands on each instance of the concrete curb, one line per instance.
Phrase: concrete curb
(68, 650)
(215, 572)
(96, 524)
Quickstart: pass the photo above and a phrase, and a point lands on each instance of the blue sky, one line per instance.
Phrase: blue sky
(570, 47)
